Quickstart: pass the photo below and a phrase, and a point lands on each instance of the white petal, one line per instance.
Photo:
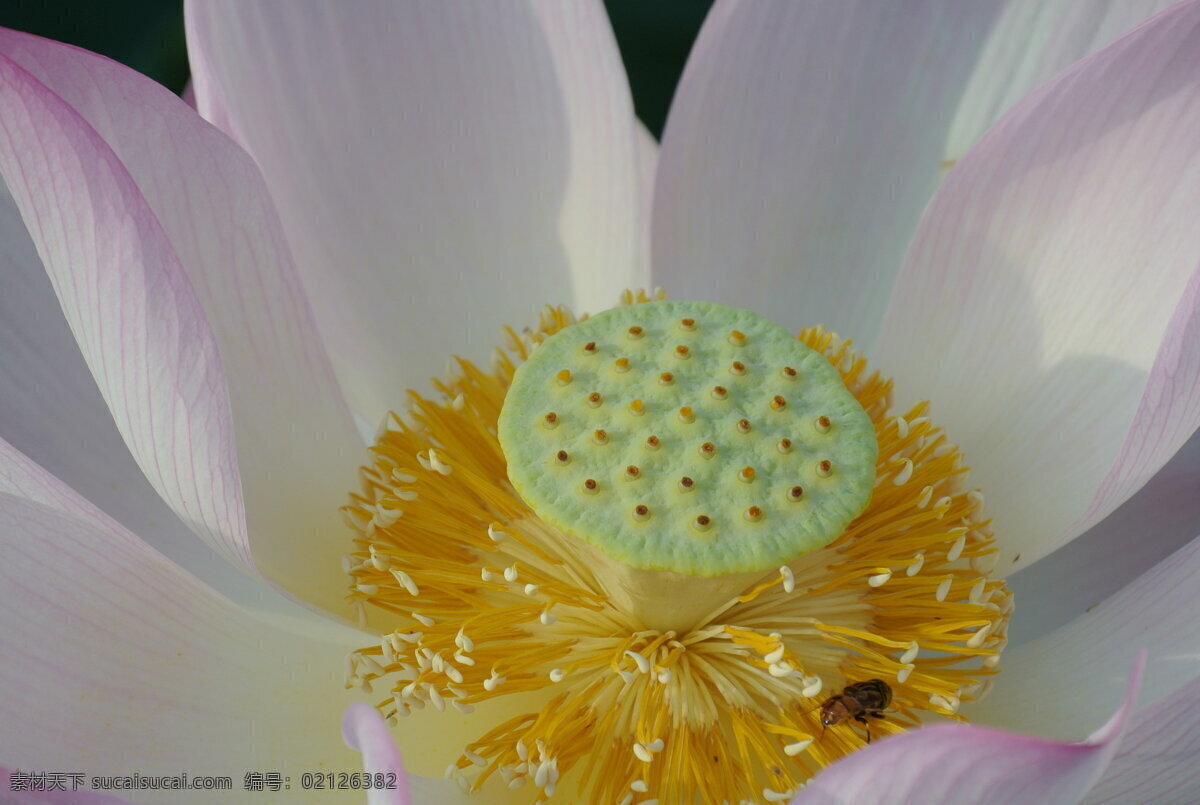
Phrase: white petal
(1053, 684)
(1048, 305)
(440, 169)
(646, 154)
(116, 661)
(1028, 45)
(171, 268)
(803, 141)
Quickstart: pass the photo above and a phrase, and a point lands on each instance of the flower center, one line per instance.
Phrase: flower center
(691, 445)
(729, 563)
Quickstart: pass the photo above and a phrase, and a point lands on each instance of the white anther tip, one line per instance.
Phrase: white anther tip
(793, 749)
(643, 665)
(439, 466)
(976, 640)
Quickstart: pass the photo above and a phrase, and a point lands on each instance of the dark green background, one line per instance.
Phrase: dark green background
(147, 35)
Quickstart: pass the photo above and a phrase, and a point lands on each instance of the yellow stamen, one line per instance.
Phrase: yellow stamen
(486, 600)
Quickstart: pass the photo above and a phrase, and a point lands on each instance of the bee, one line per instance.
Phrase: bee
(856, 702)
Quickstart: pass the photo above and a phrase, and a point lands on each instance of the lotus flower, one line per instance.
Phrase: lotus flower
(201, 314)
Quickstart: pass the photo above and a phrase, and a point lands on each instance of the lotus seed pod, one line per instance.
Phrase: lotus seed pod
(721, 397)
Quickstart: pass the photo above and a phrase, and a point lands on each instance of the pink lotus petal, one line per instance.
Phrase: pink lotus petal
(1157, 759)
(803, 142)
(1166, 416)
(364, 730)
(171, 267)
(1081, 662)
(1048, 282)
(52, 411)
(1029, 44)
(947, 764)
(440, 169)
(18, 792)
(117, 661)
(1161, 518)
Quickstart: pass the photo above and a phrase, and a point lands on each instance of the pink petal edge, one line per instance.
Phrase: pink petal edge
(364, 730)
(170, 263)
(1165, 417)
(1157, 760)
(947, 764)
